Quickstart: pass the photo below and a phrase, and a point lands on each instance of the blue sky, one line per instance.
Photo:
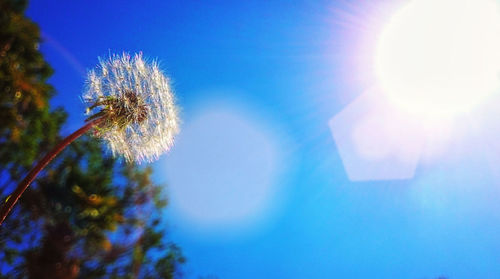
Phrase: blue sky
(257, 186)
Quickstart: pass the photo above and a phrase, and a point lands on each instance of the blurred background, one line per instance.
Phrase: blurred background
(319, 139)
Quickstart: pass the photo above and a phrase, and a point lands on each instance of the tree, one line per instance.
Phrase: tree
(26, 122)
(87, 215)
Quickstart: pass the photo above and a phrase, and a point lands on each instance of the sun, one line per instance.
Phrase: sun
(440, 57)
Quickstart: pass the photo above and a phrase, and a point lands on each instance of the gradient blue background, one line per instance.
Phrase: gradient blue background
(292, 65)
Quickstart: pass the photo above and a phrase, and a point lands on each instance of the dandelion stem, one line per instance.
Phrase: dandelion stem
(23, 185)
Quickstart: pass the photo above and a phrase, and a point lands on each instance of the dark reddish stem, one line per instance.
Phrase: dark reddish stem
(21, 187)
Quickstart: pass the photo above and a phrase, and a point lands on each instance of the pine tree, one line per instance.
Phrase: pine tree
(87, 215)
(26, 122)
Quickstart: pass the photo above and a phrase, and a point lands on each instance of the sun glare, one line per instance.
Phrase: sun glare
(440, 57)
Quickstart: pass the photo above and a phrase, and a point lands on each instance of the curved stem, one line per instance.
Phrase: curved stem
(21, 187)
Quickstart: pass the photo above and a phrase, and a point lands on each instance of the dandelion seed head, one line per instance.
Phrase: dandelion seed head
(137, 104)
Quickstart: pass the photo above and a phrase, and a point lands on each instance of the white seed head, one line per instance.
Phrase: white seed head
(136, 102)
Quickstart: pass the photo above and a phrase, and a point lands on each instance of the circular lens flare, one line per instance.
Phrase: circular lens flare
(440, 57)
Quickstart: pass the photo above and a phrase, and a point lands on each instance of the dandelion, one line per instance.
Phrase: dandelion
(136, 102)
(130, 106)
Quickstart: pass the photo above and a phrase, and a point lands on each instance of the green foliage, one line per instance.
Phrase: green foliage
(97, 216)
(86, 215)
(26, 122)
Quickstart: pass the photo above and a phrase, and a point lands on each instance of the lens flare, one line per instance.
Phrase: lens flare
(440, 57)
(224, 172)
